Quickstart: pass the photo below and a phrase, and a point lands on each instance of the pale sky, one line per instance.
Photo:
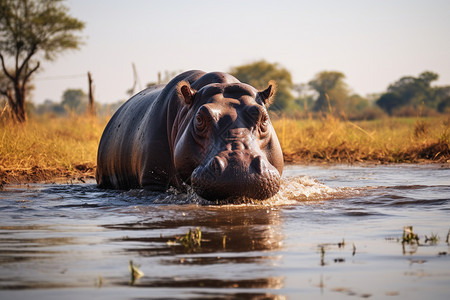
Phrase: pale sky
(373, 43)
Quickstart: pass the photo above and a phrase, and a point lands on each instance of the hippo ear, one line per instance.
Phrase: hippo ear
(268, 94)
(186, 93)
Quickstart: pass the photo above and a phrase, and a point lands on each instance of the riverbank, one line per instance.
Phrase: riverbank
(388, 140)
(45, 149)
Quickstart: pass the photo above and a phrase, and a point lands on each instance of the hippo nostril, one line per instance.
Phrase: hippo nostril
(257, 165)
(218, 165)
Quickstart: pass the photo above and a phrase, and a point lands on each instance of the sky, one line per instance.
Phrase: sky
(374, 43)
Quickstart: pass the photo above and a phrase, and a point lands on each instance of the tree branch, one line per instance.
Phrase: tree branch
(27, 76)
(25, 61)
(4, 68)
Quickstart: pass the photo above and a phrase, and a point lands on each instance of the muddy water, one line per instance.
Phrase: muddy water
(333, 232)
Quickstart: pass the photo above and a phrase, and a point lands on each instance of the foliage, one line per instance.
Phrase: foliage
(409, 236)
(50, 107)
(259, 73)
(135, 272)
(75, 100)
(191, 240)
(415, 92)
(331, 89)
(29, 28)
(443, 96)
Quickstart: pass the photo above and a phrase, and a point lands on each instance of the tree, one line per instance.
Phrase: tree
(413, 92)
(74, 100)
(305, 97)
(30, 29)
(259, 73)
(50, 107)
(331, 89)
(443, 96)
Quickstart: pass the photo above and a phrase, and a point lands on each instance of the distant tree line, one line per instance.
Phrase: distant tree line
(415, 93)
(35, 30)
(73, 102)
(328, 93)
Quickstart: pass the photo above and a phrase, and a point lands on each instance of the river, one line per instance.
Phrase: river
(331, 232)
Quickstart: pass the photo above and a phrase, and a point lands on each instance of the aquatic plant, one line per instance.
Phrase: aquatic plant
(191, 240)
(409, 236)
(433, 239)
(135, 273)
(322, 255)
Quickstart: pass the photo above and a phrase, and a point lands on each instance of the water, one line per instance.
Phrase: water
(332, 232)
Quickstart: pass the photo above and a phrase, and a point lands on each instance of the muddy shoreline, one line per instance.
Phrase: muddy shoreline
(86, 171)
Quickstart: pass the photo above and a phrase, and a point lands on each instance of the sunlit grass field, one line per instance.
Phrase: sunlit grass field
(389, 140)
(48, 147)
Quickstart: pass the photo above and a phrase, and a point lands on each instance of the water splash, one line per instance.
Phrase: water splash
(304, 188)
(292, 190)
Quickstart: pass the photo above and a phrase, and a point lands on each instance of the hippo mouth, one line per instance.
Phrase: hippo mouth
(236, 174)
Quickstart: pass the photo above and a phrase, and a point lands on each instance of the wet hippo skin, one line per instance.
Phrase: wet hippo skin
(205, 130)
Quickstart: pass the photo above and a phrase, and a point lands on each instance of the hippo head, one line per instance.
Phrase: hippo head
(228, 148)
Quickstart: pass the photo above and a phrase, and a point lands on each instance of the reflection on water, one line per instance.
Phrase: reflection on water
(335, 232)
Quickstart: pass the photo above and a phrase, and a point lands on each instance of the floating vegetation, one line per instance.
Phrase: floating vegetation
(134, 272)
(433, 239)
(322, 255)
(409, 236)
(339, 245)
(410, 241)
(99, 282)
(191, 240)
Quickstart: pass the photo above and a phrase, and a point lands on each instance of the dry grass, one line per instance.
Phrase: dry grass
(45, 148)
(390, 140)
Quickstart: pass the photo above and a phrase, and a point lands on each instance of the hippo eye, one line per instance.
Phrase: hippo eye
(202, 121)
(264, 124)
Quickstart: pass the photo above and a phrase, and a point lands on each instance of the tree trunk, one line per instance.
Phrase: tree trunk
(19, 105)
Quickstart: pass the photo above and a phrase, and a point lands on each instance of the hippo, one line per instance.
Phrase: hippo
(208, 131)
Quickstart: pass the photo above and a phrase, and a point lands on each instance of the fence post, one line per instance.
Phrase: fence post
(91, 95)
